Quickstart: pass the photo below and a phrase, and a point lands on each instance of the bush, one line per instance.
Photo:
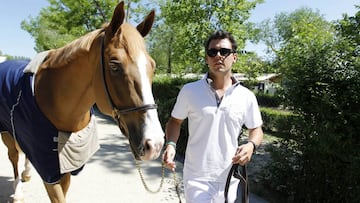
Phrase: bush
(267, 100)
(321, 83)
(280, 122)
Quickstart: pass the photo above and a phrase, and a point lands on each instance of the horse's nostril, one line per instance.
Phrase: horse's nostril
(151, 150)
(147, 146)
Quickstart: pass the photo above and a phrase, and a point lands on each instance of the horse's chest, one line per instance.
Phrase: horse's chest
(35, 134)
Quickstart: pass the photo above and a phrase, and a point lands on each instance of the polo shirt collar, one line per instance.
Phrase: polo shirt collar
(235, 82)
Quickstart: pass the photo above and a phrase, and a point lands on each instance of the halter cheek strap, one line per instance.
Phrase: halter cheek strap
(115, 111)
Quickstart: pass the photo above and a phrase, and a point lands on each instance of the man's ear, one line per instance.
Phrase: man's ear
(235, 57)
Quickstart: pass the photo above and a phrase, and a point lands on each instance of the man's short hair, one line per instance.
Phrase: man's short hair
(220, 34)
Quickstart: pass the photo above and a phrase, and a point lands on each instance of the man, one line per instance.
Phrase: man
(217, 107)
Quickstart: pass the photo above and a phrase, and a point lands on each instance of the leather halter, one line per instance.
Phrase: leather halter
(116, 112)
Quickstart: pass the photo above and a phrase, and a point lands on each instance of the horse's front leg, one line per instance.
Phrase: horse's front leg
(13, 154)
(57, 192)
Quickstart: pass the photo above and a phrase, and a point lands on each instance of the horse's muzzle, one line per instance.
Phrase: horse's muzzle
(152, 149)
(148, 149)
(146, 142)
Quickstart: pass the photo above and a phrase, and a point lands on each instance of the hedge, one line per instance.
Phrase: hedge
(279, 121)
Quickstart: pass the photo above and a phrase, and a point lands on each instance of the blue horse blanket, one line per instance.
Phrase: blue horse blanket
(35, 134)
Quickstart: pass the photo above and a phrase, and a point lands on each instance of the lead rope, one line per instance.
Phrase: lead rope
(143, 179)
(177, 186)
(176, 182)
(243, 182)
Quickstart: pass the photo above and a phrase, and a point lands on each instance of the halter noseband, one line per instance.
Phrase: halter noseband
(115, 111)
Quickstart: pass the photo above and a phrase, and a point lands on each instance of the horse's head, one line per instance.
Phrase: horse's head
(128, 71)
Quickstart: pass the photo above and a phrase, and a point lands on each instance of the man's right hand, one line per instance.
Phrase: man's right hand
(168, 157)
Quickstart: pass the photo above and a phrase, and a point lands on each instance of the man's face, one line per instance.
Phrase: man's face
(220, 57)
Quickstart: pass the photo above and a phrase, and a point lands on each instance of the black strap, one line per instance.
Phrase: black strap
(240, 173)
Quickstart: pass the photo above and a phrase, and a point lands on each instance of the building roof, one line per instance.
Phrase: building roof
(261, 78)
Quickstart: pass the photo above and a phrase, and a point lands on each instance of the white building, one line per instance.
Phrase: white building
(2, 59)
(267, 82)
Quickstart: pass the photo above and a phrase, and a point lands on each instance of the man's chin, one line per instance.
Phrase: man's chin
(221, 70)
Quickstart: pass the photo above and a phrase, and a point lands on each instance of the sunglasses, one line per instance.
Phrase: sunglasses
(223, 52)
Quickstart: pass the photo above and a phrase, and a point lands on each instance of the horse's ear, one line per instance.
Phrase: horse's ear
(145, 26)
(117, 18)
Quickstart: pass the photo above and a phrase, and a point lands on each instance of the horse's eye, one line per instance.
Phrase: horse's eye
(115, 66)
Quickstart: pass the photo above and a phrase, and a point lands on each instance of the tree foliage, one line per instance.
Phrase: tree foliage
(321, 83)
(176, 41)
(276, 33)
(348, 27)
(65, 20)
(187, 24)
(10, 57)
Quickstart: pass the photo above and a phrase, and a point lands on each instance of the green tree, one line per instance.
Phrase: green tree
(65, 20)
(10, 57)
(252, 65)
(276, 33)
(161, 44)
(349, 27)
(321, 83)
(187, 24)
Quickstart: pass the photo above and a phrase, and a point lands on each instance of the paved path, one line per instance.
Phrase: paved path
(110, 176)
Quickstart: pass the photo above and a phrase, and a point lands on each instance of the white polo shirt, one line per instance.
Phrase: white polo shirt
(213, 128)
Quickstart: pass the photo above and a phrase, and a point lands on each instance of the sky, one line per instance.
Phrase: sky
(17, 42)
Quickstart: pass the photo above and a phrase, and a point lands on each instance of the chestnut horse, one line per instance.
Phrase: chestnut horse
(110, 67)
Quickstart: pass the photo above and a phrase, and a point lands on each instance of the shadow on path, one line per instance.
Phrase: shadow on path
(6, 188)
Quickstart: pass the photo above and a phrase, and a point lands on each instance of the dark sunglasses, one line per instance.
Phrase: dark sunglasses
(223, 52)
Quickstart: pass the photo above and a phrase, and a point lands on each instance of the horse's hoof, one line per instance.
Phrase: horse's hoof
(17, 199)
(25, 178)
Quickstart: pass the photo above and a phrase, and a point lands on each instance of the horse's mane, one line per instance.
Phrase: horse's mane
(64, 55)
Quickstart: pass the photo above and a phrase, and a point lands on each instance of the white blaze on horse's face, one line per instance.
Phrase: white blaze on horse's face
(130, 87)
(154, 135)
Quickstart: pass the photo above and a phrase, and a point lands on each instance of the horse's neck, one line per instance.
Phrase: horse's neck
(65, 94)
